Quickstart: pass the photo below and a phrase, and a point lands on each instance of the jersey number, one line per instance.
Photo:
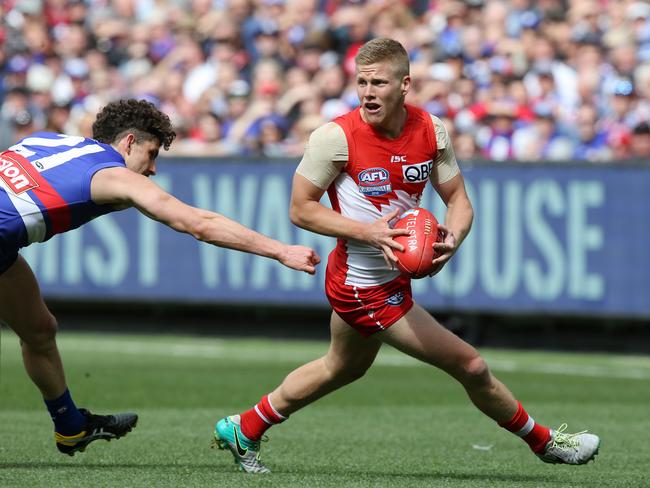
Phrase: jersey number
(69, 141)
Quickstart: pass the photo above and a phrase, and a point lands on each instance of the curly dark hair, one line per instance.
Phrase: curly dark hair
(140, 117)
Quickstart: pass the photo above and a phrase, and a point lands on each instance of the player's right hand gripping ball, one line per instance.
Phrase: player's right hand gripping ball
(416, 259)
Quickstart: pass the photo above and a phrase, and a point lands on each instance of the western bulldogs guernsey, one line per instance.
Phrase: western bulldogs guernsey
(381, 175)
(45, 187)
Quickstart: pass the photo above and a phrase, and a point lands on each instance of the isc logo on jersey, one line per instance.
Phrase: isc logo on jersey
(14, 175)
(418, 172)
(374, 182)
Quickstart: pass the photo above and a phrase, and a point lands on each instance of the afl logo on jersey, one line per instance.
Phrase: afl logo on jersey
(374, 182)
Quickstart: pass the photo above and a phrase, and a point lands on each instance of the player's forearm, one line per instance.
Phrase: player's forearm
(208, 226)
(317, 218)
(223, 232)
(459, 218)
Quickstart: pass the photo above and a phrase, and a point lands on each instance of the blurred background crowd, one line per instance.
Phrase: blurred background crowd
(558, 80)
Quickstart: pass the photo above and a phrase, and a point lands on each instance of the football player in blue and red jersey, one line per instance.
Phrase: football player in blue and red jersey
(51, 183)
(374, 163)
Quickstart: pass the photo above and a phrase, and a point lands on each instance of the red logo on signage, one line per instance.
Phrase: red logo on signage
(14, 175)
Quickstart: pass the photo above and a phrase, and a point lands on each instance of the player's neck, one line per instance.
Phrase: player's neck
(121, 147)
(392, 126)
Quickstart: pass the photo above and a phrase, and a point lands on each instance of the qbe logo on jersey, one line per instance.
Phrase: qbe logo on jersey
(374, 182)
(418, 172)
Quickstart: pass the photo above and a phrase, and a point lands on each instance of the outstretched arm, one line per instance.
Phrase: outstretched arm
(122, 187)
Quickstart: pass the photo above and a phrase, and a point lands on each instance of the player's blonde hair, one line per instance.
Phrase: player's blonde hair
(384, 49)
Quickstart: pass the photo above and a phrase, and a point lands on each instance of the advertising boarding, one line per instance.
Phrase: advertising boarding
(546, 238)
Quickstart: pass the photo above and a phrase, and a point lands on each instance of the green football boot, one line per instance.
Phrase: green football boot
(228, 435)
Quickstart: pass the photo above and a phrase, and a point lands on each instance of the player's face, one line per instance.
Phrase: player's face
(381, 93)
(141, 157)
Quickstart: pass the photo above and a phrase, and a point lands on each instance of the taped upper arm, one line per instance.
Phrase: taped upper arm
(325, 155)
(446, 164)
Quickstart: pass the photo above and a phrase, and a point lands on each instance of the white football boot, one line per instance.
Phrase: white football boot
(578, 448)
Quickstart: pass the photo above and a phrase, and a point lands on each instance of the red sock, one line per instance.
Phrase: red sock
(257, 420)
(523, 425)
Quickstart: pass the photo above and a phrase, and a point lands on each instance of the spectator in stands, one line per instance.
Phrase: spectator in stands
(591, 140)
(640, 144)
(496, 140)
(466, 148)
(542, 140)
(57, 117)
(619, 121)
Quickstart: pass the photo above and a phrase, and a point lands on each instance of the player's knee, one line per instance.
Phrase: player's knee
(344, 373)
(476, 371)
(42, 333)
(354, 373)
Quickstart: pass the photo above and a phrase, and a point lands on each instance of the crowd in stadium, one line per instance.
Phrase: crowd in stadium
(560, 80)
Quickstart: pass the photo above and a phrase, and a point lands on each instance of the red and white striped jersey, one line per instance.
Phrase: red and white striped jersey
(381, 175)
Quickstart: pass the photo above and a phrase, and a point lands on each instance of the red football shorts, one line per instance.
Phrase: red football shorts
(372, 309)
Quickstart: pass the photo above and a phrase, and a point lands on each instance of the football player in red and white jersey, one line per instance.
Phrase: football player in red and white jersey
(374, 163)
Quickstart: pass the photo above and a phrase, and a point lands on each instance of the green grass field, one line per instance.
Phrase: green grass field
(404, 424)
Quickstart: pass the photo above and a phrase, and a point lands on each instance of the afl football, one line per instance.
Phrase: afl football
(418, 253)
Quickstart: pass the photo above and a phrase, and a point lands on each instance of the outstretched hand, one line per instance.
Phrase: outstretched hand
(444, 249)
(380, 235)
(300, 258)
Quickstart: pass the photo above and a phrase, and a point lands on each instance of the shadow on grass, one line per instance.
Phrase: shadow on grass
(334, 471)
(114, 466)
(423, 475)
(64, 465)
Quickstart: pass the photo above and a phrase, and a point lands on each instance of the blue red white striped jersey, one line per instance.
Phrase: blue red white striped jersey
(45, 186)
